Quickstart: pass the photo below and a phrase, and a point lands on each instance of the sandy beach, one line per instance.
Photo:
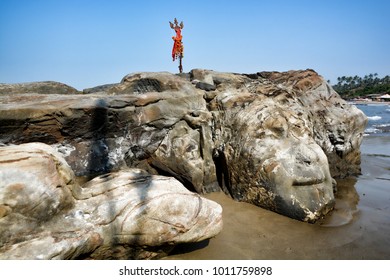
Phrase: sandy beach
(358, 228)
(368, 102)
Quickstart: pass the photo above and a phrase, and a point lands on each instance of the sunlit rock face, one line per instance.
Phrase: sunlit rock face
(274, 139)
(129, 214)
(274, 162)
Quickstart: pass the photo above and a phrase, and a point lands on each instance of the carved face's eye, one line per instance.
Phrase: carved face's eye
(276, 126)
(190, 148)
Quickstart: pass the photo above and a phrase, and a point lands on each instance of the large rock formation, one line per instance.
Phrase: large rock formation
(272, 139)
(45, 214)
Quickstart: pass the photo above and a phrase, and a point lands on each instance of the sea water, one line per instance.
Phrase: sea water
(376, 140)
(378, 118)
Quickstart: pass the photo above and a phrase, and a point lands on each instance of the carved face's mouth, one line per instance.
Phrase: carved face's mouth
(304, 181)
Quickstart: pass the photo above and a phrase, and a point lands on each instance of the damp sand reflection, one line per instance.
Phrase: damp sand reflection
(346, 208)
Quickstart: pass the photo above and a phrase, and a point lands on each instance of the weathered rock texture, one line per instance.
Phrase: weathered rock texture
(272, 139)
(38, 87)
(45, 214)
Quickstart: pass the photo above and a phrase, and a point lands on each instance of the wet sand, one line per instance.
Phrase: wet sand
(358, 228)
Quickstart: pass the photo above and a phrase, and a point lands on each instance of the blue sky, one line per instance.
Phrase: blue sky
(86, 43)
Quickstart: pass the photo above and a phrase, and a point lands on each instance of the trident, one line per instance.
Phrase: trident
(178, 49)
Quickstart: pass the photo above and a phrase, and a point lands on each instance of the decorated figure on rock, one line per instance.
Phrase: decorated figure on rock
(178, 49)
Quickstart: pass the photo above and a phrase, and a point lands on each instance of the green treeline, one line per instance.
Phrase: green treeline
(350, 87)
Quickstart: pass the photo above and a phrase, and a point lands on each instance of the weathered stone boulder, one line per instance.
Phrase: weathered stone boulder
(37, 87)
(35, 185)
(103, 132)
(274, 139)
(281, 138)
(276, 164)
(45, 214)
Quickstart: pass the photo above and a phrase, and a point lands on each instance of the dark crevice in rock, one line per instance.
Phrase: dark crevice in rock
(222, 172)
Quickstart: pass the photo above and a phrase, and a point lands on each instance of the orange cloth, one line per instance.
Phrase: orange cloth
(177, 50)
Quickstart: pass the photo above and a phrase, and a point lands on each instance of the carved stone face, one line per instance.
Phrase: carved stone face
(275, 163)
(179, 153)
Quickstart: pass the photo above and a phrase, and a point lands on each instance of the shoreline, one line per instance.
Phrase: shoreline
(365, 102)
